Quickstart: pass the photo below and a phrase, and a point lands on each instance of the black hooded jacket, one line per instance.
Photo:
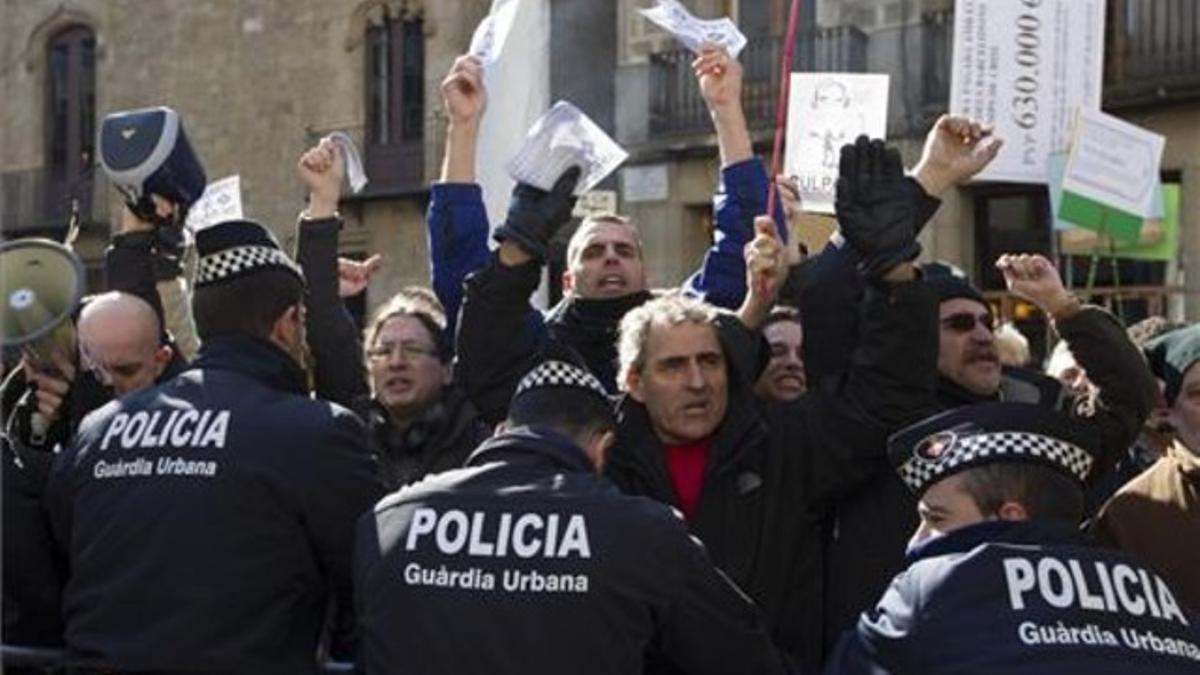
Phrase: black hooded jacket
(869, 528)
(500, 336)
(771, 472)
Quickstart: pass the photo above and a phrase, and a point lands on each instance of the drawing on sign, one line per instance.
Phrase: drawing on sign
(825, 112)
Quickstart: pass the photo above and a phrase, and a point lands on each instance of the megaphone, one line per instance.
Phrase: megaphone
(146, 152)
(41, 283)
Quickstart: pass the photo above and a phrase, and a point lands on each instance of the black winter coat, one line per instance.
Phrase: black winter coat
(527, 561)
(442, 439)
(501, 337)
(771, 472)
(869, 528)
(209, 520)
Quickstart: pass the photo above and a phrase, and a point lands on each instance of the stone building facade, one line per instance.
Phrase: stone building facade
(257, 81)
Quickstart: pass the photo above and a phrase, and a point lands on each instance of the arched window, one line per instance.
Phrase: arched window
(395, 107)
(70, 117)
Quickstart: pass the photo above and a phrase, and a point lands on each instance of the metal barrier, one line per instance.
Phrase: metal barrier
(54, 661)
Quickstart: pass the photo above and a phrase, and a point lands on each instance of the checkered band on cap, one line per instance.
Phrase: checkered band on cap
(560, 374)
(232, 262)
(944, 453)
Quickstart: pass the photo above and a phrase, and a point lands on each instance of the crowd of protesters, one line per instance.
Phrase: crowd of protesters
(787, 463)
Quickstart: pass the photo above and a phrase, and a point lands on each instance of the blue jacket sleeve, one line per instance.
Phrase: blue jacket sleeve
(458, 228)
(741, 195)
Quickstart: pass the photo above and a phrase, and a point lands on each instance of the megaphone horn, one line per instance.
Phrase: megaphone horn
(41, 283)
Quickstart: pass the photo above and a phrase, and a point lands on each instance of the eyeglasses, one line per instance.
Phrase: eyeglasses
(964, 322)
(405, 350)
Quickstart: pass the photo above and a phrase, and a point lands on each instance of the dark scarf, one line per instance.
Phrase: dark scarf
(589, 326)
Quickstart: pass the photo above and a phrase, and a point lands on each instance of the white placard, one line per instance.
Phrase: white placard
(1025, 66)
(1114, 163)
(595, 203)
(825, 112)
(491, 33)
(648, 183)
(221, 201)
(562, 138)
(674, 18)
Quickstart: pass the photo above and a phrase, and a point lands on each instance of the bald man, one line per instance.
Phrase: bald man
(119, 342)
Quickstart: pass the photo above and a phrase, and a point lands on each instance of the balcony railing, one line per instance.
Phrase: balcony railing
(34, 202)
(1152, 51)
(678, 109)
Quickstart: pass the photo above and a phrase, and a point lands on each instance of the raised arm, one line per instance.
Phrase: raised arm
(742, 192)
(956, 149)
(500, 333)
(457, 221)
(332, 335)
(1100, 345)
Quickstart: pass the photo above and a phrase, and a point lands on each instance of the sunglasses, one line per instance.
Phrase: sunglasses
(964, 322)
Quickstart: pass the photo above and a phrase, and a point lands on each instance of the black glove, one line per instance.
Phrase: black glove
(534, 215)
(876, 211)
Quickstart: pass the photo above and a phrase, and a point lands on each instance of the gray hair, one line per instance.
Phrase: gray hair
(669, 310)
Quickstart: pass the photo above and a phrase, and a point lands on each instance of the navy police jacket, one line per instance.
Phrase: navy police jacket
(209, 520)
(528, 561)
(1027, 598)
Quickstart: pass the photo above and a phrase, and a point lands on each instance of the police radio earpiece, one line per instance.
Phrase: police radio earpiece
(145, 152)
(41, 283)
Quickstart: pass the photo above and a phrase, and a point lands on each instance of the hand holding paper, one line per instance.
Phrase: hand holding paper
(720, 77)
(322, 169)
(535, 215)
(562, 138)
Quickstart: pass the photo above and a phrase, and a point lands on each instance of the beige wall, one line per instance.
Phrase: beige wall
(253, 81)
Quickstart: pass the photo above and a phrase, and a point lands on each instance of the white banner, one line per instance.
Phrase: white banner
(825, 112)
(1115, 163)
(1026, 66)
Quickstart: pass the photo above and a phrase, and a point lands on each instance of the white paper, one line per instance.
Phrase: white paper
(692, 32)
(562, 138)
(825, 112)
(1114, 162)
(221, 201)
(491, 33)
(1025, 66)
(355, 173)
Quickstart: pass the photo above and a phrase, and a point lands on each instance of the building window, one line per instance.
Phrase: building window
(71, 108)
(396, 80)
(395, 90)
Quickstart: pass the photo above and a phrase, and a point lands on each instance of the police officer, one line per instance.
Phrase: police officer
(210, 519)
(528, 561)
(998, 577)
